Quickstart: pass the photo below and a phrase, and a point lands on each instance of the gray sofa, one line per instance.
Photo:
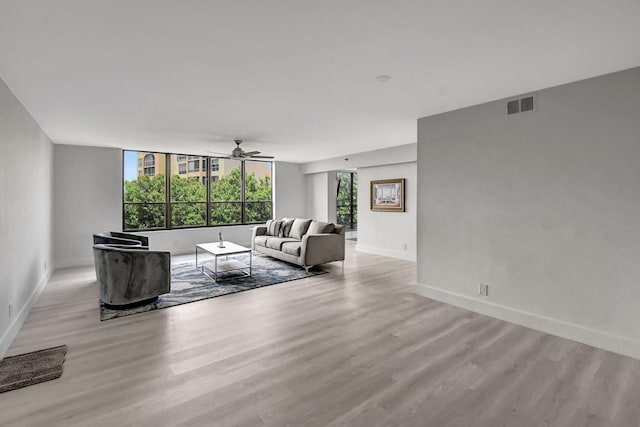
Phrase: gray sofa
(300, 241)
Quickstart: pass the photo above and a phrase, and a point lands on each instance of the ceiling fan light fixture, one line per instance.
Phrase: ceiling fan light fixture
(239, 154)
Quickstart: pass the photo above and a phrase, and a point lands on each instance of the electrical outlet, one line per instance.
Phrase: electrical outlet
(45, 265)
(404, 246)
(10, 310)
(483, 290)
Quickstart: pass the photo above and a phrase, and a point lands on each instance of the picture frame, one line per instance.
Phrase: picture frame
(387, 195)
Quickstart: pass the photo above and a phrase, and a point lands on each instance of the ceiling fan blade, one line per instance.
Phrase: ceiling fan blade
(251, 153)
(262, 157)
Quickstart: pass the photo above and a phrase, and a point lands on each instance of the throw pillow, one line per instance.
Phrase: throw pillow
(286, 227)
(319, 227)
(299, 228)
(273, 227)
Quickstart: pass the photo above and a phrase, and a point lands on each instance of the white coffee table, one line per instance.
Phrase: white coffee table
(226, 264)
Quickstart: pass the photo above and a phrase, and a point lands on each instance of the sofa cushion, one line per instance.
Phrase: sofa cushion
(319, 227)
(291, 248)
(261, 240)
(273, 227)
(276, 242)
(286, 227)
(299, 228)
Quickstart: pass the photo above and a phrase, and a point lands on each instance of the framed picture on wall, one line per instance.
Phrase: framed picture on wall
(387, 195)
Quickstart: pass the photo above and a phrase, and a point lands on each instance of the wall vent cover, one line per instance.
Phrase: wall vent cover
(521, 105)
(513, 107)
(526, 104)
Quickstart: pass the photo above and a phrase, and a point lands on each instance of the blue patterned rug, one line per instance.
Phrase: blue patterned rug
(189, 284)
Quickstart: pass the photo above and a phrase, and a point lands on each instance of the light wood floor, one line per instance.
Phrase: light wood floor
(358, 349)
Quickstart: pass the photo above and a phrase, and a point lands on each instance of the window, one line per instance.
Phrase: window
(226, 194)
(239, 193)
(149, 160)
(144, 195)
(181, 157)
(194, 165)
(188, 198)
(257, 179)
(347, 200)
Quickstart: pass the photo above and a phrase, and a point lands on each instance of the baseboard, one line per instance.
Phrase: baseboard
(405, 255)
(73, 262)
(593, 337)
(11, 332)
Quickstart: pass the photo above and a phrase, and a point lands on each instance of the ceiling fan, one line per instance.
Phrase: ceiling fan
(239, 153)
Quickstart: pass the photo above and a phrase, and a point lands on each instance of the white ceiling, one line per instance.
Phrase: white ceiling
(295, 78)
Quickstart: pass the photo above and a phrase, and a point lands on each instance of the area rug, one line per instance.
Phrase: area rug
(189, 284)
(31, 368)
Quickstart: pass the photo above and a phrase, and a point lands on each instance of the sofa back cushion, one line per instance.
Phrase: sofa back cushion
(299, 228)
(273, 227)
(319, 227)
(286, 227)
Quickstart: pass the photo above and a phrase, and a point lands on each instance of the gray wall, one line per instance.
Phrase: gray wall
(542, 206)
(387, 233)
(289, 191)
(318, 187)
(25, 214)
(381, 233)
(88, 199)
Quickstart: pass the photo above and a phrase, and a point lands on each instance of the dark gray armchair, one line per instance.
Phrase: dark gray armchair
(116, 238)
(131, 275)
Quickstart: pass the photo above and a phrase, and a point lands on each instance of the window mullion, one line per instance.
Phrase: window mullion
(208, 190)
(167, 192)
(243, 202)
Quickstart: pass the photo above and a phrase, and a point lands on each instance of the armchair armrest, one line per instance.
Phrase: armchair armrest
(258, 230)
(320, 248)
(144, 240)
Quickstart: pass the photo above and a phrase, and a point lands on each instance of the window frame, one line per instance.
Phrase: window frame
(168, 203)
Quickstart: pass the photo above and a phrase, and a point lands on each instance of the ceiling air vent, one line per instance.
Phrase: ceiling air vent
(521, 105)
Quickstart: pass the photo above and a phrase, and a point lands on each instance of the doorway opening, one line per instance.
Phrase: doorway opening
(347, 203)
